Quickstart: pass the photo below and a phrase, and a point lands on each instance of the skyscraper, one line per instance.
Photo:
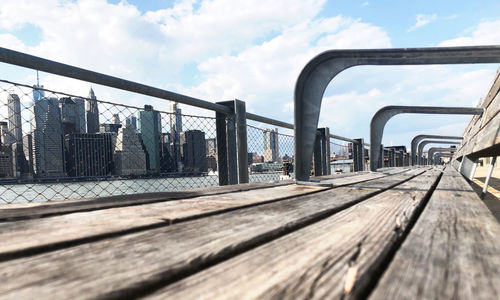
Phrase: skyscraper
(193, 147)
(15, 127)
(271, 146)
(149, 127)
(48, 138)
(175, 131)
(92, 113)
(132, 120)
(38, 94)
(130, 158)
(73, 115)
(89, 154)
(4, 131)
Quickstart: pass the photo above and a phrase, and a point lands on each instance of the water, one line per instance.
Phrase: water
(23, 193)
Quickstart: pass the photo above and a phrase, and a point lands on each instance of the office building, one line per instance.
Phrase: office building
(73, 115)
(149, 128)
(14, 122)
(6, 167)
(167, 163)
(4, 131)
(211, 146)
(48, 138)
(131, 121)
(92, 113)
(89, 154)
(175, 131)
(271, 145)
(193, 150)
(129, 156)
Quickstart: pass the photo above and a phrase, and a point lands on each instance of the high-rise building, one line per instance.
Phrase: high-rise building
(15, 126)
(149, 127)
(92, 113)
(116, 119)
(167, 164)
(6, 167)
(130, 158)
(193, 148)
(89, 154)
(132, 120)
(271, 145)
(175, 131)
(38, 92)
(73, 115)
(211, 147)
(4, 131)
(48, 138)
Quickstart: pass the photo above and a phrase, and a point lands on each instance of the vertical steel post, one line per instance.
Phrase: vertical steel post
(226, 146)
(241, 140)
(322, 152)
(326, 147)
(358, 155)
(380, 158)
(487, 181)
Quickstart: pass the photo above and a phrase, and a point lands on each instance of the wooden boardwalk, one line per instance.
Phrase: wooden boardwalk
(402, 233)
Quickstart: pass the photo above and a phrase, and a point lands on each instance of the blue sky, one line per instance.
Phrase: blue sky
(254, 50)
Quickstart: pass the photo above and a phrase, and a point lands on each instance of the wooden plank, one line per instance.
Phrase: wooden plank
(452, 251)
(41, 209)
(34, 235)
(314, 262)
(128, 265)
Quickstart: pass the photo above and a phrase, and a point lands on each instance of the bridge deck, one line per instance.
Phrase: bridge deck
(400, 233)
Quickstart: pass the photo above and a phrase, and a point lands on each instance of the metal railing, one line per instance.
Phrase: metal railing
(58, 146)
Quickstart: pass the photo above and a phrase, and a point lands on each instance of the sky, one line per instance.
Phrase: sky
(254, 51)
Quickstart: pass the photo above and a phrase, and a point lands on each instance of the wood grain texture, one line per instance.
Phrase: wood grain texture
(33, 235)
(319, 261)
(131, 264)
(40, 209)
(451, 252)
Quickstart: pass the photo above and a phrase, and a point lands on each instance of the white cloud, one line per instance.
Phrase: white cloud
(486, 33)
(422, 20)
(365, 4)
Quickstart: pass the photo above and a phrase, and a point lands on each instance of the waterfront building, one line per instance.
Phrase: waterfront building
(6, 167)
(132, 120)
(73, 115)
(271, 145)
(109, 127)
(4, 131)
(28, 152)
(193, 150)
(175, 131)
(89, 154)
(92, 113)
(48, 138)
(167, 164)
(149, 127)
(129, 156)
(14, 122)
(211, 146)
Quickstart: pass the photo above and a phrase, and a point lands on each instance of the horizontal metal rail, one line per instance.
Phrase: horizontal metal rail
(53, 67)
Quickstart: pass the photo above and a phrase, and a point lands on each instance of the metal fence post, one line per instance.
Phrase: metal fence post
(380, 158)
(392, 158)
(241, 140)
(226, 146)
(358, 155)
(322, 152)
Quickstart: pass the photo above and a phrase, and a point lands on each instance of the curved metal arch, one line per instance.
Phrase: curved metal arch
(433, 150)
(439, 155)
(317, 74)
(415, 156)
(385, 113)
(426, 142)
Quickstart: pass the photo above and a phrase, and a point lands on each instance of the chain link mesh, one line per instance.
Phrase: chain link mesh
(270, 152)
(56, 146)
(341, 157)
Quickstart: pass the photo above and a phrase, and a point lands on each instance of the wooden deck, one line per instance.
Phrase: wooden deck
(403, 233)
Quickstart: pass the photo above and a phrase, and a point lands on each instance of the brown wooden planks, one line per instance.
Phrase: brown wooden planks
(452, 251)
(314, 262)
(34, 234)
(130, 264)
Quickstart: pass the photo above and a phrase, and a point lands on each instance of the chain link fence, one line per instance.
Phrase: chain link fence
(270, 154)
(341, 157)
(56, 146)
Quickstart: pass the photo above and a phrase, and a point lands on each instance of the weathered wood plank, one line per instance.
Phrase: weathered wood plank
(452, 251)
(41, 209)
(130, 264)
(28, 236)
(314, 262)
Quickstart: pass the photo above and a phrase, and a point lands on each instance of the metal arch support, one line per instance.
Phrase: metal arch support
(439, 155)
(317, 74)
(433, 150)
(384, 114)
(420, 137)
(422, 144)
